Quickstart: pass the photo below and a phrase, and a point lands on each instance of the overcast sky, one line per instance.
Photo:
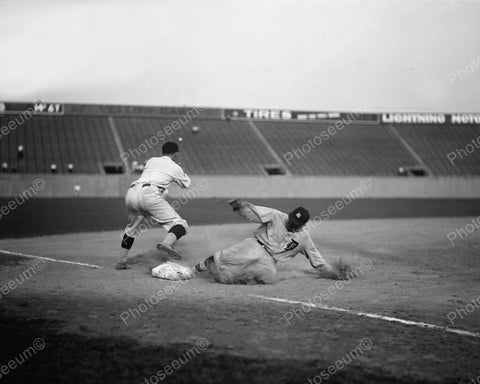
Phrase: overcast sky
(409, 55)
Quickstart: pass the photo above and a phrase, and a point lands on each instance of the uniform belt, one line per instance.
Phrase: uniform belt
(263, 246)
(152, 185)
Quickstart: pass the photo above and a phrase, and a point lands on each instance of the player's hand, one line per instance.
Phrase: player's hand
(235, 203)
(338, 270)
(326, 271)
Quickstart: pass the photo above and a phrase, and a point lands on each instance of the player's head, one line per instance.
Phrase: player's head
(169, 148)
(297, 219)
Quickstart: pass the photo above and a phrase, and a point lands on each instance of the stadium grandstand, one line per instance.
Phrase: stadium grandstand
(96, 139)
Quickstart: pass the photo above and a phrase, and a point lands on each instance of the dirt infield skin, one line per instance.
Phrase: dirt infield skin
(80, 313)
(94, 330)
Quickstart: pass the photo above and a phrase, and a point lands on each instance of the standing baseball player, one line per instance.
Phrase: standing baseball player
(278, 238)
(146, 199)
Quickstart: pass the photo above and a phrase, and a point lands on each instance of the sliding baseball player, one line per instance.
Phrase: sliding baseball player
(280, 237)
(146, 199)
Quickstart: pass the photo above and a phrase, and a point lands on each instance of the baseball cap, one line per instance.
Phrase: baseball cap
(299, 216)
(169, 148)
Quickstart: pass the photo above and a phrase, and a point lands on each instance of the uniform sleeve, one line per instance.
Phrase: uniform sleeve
(312, 253)
(181, 178)
(255, 213)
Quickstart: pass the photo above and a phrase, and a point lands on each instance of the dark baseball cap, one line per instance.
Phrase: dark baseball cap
(169, 148)
(299, 216)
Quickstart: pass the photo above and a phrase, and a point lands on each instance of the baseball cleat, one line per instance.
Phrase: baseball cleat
(201, 266)
(169, 251)
(122, 265)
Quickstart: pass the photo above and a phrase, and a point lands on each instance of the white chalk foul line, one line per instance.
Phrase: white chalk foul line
(372, 316)
(48, 259)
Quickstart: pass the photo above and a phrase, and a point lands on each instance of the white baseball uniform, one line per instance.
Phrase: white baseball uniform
(146, 196)
(254, 259)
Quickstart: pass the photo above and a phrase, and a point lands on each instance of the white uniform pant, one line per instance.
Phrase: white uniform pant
(244, 263)
(148, 203)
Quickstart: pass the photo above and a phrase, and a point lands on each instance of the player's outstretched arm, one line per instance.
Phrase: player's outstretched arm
(252, 212)
(336, 271)
(318, 262)
(242, 208)
(326, 271)
(182, 179)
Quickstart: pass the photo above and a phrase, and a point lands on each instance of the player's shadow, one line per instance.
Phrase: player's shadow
(150, 259)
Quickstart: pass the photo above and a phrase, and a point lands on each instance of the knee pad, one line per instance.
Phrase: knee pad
(127, 242)
(178, 230)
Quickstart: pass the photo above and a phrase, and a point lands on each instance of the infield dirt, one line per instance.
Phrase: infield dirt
(416, 274)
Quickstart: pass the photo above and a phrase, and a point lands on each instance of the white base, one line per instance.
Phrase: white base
(172, 271)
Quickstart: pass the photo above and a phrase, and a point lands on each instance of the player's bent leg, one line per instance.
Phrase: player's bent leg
(132, 230)
(174, 234)
(266, 276)
(126, 245)
(134, 227)
(261, 271)
(163, 213)
(177, 228)
(243, 263)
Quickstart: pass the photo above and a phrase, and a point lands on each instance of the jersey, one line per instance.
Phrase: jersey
(162, 172)
(281, 244)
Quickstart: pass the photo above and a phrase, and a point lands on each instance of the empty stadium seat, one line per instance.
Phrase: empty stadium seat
(355, 149)
(433, 143)
(217, 148)
(86, 141)
(90, 141)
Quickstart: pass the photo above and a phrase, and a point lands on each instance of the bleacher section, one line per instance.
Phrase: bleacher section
(90, 137)
(433, 143)
(356, 149)
(85, 141)
(219, 148)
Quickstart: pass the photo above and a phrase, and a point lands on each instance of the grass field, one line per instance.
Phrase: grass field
(99, 325)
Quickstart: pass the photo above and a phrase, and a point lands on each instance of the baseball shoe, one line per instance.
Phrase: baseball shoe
(122, 265)
(204, 264)
(169, 251)
(201, 266)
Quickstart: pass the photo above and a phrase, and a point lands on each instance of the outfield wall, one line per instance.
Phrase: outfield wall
(47, 185)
